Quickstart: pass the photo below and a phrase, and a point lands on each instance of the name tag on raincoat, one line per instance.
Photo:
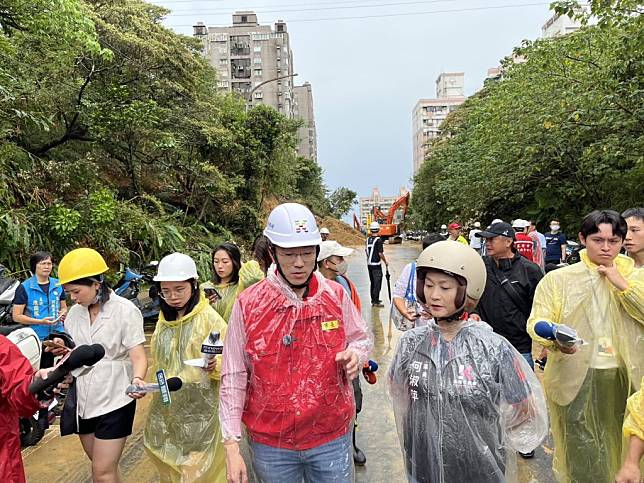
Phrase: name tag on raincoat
(330, 325)
(163, 387)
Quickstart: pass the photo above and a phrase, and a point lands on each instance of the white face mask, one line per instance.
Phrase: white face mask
(554, 227)
(340, 268)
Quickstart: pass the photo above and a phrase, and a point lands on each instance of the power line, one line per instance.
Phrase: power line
(405, 14)
(342, 6)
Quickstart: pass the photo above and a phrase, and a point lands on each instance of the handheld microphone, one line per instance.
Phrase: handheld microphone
(369, 371)
(174, 384)
(84, 355)
(563, 334)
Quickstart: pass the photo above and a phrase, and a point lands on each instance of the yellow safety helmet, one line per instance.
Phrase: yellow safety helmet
(80, 263)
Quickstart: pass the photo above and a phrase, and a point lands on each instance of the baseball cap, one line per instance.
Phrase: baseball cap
(454, 226)
(500, 228)
(330, 248)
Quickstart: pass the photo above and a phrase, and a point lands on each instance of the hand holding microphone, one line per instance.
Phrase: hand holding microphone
(174, 384)
(565, 337)
(84, 355)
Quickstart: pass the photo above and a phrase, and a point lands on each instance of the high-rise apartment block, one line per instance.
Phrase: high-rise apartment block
(256, 61)
(304, 111)
(561, 25)
(428, 114)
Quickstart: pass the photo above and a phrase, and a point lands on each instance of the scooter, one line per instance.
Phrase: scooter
(8, 287)
(129, 287)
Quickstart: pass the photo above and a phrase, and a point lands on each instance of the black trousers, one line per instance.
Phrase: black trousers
(375, 281)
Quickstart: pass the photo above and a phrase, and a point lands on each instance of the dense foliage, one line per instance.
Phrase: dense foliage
(561, 134)
(113, 135)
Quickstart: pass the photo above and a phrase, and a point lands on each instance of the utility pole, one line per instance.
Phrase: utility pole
(250, 94)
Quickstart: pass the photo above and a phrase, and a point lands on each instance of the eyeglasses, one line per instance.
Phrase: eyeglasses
(168, 294)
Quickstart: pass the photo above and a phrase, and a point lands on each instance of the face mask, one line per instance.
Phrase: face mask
(554, 227)
(340, 268)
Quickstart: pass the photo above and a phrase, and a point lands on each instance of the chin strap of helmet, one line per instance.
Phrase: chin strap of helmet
(304, 285)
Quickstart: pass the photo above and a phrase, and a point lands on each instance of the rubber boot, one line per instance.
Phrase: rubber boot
(359, 457)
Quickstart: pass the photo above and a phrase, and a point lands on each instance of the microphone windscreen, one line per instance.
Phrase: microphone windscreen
(544, 329)
(174, 383)
(84, 355)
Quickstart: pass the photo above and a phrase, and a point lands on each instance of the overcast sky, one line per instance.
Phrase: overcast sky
(367, 73)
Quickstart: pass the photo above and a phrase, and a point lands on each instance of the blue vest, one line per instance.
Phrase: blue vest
(41, 305)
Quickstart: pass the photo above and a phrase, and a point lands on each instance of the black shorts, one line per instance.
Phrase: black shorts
(113, 425)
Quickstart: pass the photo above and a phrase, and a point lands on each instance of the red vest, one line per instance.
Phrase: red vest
(524, 245)
(297, 398)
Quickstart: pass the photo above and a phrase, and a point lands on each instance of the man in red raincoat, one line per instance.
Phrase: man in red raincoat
(16, 374)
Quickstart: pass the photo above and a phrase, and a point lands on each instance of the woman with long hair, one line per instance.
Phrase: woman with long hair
(230, 278)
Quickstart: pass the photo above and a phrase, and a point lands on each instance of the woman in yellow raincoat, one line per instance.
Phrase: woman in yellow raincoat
(634, 432)
(602, 298)
(230, 278)
(183, 439)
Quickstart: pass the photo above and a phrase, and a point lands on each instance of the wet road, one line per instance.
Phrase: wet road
(376, 431)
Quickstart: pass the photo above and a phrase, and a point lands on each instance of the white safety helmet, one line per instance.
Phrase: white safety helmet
(292, 225)
(176, 267)
(325, 231)
(375, 226)
(477, 224)
(443, 227)
(519, 223)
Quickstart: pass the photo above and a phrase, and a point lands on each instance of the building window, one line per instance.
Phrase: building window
(257, 72)
(223, 73)
(259, 95)
(261, 36)
(223, 61)
(257, 60)
(257, 48)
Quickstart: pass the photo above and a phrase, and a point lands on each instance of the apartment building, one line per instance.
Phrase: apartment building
(304, 111)
(367, 204)
(429, 114)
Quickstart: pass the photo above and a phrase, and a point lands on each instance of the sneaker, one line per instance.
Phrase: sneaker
(358, 457)
(527, 456)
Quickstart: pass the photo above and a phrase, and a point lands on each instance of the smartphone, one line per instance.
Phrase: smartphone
(210, 292)
(54, 345)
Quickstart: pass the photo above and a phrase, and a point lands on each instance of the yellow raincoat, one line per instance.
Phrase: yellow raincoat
(183, 439)
(634, 423)
(249, 274)
(587, 391)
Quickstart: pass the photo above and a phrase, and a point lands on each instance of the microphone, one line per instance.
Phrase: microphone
(84, 355)
(369, 371)
(174, 384)
(563, 334)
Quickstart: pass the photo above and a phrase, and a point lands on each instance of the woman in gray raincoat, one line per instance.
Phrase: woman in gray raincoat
(464, 399)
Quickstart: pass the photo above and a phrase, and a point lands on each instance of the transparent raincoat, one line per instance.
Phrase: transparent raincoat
(249, 273)
(280, 377)
(464, 407)
(183, 439)
(587, 391)
(634, 423)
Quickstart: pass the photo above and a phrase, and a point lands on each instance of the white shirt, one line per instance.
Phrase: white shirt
(475, 242)
(400, 288)
(118, 328)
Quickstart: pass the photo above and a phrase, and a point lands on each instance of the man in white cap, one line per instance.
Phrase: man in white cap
(325, 234)
(295, 341)
(333, 266)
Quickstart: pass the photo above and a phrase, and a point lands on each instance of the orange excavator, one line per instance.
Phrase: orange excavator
(356, 223)
(388, 229)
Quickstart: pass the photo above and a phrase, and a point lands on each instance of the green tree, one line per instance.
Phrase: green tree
(341, 201)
